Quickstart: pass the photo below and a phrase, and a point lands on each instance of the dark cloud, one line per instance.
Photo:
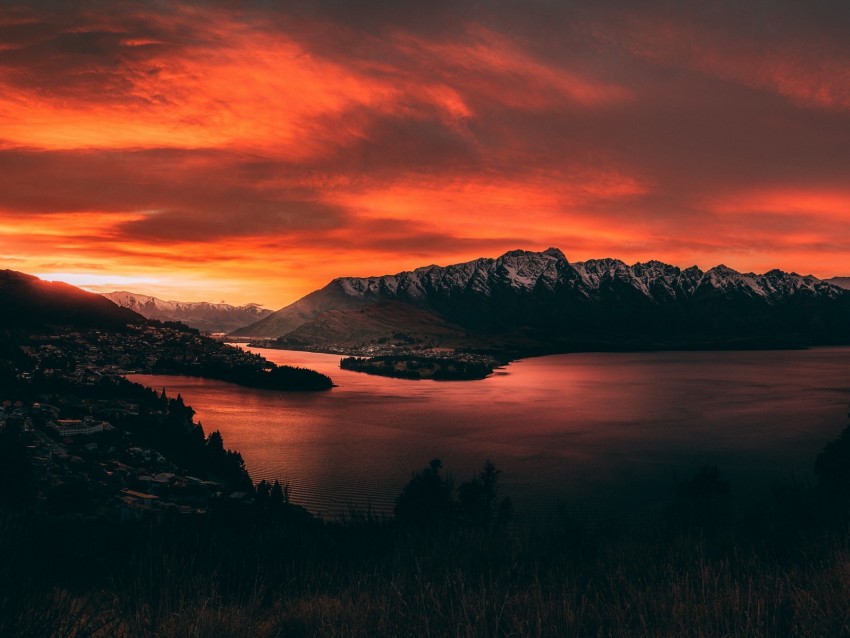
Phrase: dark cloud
(390, 145)
(74, 53)
(184, 195)
(298, 218)
(419, 239)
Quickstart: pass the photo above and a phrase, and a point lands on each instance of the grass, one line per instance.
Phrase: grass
(775, 567)
(371, 578)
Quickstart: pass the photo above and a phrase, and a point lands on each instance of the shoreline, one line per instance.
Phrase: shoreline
(510, 354)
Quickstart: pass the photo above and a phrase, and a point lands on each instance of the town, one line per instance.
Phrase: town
(152, 347)
(425, 365)
(79, 438)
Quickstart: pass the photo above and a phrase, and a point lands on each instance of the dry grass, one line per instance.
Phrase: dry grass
(685, 589)
(739, 596)
(369, 578)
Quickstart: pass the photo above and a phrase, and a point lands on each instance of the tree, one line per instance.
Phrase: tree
(262, 494)
(215, 444)
(278, 496)
(426, 500)
(479, 499)
(832, 467)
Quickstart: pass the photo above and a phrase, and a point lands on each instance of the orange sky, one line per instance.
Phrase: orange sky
(251, 152)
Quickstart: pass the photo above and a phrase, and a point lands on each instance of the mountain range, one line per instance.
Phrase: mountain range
(540, 301)
(205, 316)
(522, 302)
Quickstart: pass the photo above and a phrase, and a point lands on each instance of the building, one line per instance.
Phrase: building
(76, 427)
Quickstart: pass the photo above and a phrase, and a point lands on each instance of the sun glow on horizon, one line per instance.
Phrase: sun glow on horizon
(90, 281)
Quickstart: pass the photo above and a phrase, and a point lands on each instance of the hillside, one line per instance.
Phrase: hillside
(27, 302)
(381, 323)
(88, 332)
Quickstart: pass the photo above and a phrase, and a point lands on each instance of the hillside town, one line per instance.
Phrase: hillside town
(147, 348)
(86, 465)
(82, 439)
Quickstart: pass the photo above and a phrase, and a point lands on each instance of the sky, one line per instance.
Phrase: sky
(252, 151)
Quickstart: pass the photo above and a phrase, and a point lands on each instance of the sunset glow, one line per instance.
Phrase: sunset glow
(198, 152)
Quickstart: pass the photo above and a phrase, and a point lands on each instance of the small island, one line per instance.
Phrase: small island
(455, 367)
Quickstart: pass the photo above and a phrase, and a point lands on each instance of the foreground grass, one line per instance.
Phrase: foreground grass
(777, 570)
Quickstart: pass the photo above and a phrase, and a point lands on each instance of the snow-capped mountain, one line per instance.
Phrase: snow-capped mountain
(543, 298)
(843, 282)
(209, 317)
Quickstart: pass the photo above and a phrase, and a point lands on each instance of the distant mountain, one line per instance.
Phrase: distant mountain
(209, 317)
(29, 303)
(843, 282)
(529, 300)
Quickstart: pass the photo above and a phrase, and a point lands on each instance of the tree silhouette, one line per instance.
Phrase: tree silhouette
(479, 499)
(832, 467)
(262, 493)
(278, 496)
(426, 501)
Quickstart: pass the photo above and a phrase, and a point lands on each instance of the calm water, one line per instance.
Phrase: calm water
(590, 431)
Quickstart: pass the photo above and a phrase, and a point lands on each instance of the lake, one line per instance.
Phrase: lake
(592, 432)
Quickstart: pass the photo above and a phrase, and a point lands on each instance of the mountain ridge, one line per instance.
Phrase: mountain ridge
(559, 303)
(203, 315)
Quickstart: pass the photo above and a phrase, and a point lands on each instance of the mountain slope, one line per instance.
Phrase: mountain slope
(843, 282)
(380, 323)
(29, 303)
(540, 300)
(209, 317)
(331, 297)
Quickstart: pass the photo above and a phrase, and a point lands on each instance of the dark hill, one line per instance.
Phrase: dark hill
(27, 303)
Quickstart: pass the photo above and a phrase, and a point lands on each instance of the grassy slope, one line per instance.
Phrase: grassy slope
(779, 568)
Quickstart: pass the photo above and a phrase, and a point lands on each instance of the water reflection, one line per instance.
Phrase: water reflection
(607, 430)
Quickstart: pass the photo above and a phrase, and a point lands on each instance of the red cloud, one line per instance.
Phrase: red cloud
(275, 148)
(765, 51)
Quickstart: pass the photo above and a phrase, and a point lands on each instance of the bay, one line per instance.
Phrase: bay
(606, 432)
